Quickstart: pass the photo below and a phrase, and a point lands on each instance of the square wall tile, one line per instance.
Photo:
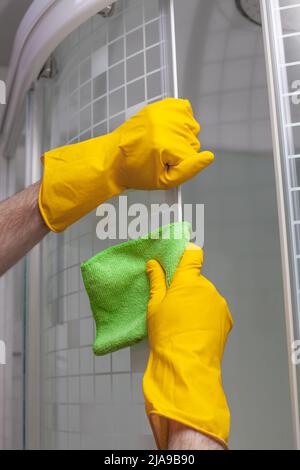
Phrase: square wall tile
(139, 357)
(103, 364)
(74, 441)
(116, 28)
(73, 279)
(135, 67)
(135, 93)
(84, 305)
(103, 389)
(85, 94)
(134, 17)
(153, 59)
(134, 42)
(116, 76)
(73, 390)
(121, 361)
(87, 389)
(116, 122)
(85, 71)
(87, 332)
(100, 85)
(72, 302)
(137, 388)
(121, 388)
(116, 102)
(100, 110)
(74, 418)
(151, 9)
(61, 337)
(152, 33)
(61, 363)
(86, 361)
(62, 418)
(154, 85)
(74, 334)
(99, 61)
(73, 362)
(62, 390)
(116, 52)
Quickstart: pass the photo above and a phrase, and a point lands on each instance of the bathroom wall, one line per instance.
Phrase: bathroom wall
(222, 72)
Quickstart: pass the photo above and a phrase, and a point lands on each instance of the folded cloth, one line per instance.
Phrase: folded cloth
(118, 287)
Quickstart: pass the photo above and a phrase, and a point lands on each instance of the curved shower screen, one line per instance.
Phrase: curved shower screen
(108, 69)
(281, 24)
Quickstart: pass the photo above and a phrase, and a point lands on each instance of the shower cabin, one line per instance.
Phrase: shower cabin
(79, 69)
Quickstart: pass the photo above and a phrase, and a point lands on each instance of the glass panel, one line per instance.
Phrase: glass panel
(283, 18)
(105, 76)
(12, 323)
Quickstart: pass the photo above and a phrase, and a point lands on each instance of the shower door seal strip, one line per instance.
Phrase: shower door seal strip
(278, 149)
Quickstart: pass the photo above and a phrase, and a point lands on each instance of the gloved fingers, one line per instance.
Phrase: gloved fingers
(191, 262)
(193, 125)
(158, 286)
(187, 169)
(193, 141)
(182, 111)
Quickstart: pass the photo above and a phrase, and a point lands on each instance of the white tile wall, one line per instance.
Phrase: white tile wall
(109, 69)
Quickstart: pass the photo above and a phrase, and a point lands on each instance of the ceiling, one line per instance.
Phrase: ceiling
(11, 14)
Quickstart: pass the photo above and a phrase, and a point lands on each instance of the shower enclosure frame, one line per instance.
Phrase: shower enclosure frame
(46, 24)
(281, 135)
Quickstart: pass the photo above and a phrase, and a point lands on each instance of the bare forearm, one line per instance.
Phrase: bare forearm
(183, 438)
(21, 226)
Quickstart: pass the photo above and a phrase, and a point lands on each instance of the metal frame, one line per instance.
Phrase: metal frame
(174, 196)
(279, 147)
(45, 25)
(176, 88)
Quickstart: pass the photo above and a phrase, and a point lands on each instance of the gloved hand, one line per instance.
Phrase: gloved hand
(156, 149)
(188, 325)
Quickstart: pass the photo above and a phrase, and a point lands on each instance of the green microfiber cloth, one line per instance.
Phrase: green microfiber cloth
(118, 287)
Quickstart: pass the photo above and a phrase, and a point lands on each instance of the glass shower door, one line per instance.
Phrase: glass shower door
(108, 69)
(281, 22)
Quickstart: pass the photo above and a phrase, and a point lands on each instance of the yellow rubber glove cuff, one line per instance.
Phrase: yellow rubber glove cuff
(188, 325)
(158, 148)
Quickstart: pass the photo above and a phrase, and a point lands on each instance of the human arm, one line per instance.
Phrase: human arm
(182, 437)
(22, 226)
(188, 325)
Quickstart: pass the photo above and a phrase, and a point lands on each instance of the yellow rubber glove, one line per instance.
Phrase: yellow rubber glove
(156, 149)
(188, 325)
